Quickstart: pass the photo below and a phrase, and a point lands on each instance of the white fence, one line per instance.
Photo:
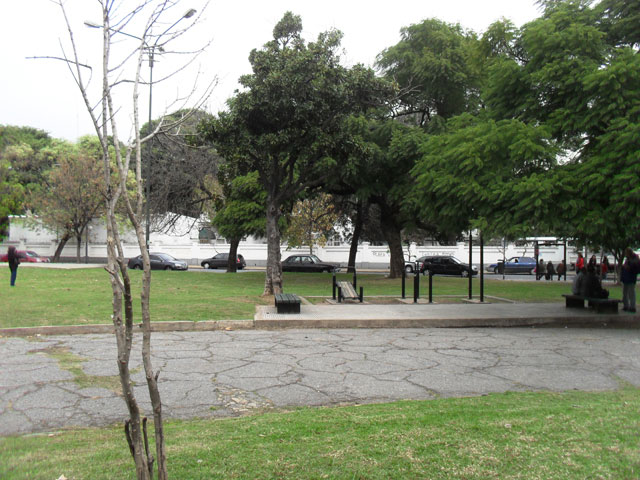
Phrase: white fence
(183, 243)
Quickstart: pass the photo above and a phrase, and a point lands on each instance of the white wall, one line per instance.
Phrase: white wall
(183, 243)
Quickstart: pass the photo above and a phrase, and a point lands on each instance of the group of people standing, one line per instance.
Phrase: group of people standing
(587, 282)
(548, 270)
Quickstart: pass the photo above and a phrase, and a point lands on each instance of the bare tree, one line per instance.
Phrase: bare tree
(125, 72)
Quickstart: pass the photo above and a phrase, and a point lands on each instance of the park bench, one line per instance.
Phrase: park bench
(600, 305)
(347, 291)
(287, 303)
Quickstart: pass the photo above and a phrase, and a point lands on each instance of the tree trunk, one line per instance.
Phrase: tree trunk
(357, 231)
(273, 277)
(78, 247)
(63, 241)
(232, 264)
(392, 235)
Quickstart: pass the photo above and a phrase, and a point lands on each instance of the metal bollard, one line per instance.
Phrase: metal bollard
(404, 276)
(416, 287)
(334, 285)
(430, 287)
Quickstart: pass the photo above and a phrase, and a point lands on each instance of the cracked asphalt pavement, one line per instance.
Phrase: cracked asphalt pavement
(226, 373)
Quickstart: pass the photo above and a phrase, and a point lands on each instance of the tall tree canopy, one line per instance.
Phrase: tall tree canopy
(288, 121)
(577, 72)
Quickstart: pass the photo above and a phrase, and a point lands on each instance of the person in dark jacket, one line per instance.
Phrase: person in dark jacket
(14, 261)
(561, 269)
(550, 271)
(591, 287)
(578, 282)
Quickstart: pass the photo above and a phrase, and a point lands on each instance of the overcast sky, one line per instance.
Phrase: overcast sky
(41, 93)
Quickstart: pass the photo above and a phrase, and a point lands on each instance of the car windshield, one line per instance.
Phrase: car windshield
(314, 259)
(29, 253)
(166, 256)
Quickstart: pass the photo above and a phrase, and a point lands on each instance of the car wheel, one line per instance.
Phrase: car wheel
(464, 273)
(167, 268)
(531, 272)
(426, 272)
(495, 270)
(137, 267)
(408, 269)
(206, 265)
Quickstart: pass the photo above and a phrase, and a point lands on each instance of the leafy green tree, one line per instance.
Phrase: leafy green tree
(434, 68)
(75, 196)
(438, 77)
(488, 175)
(577, 73)
(312, 220)
(11, 195)
(288, 121)
(240, 213)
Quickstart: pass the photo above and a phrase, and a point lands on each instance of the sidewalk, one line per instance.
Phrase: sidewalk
(355, 315)
(438, 315)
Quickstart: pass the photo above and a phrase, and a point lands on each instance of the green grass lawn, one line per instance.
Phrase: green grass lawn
(46, 296)
(574, 435)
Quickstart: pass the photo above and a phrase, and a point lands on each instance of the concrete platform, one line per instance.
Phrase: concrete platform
(438, 315)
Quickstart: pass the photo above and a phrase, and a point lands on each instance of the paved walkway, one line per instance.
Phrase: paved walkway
(222, 373)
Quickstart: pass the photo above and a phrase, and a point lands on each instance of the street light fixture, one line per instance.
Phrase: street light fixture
(150, 52)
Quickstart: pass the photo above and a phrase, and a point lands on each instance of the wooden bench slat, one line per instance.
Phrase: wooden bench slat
(287, 303)
(600, 305)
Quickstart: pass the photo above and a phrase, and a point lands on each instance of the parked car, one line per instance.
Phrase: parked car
(445, 265)
(307, 263)
(410, 267)
(159, 261)
(26, 256)
(221, 260)
(515, 265)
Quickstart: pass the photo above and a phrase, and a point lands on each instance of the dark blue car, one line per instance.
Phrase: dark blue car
(515, 265)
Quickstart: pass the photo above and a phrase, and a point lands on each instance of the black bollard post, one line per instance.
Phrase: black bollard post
(416, 287)
(355, 279)
(334, 284)
(404, 276)
(361, 294)
(430, 287)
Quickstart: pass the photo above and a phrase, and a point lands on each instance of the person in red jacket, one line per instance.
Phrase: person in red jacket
(579, 262)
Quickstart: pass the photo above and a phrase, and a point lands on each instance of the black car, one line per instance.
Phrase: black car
(159, 261)
(445, 265)
(307, 263)
(221, 260)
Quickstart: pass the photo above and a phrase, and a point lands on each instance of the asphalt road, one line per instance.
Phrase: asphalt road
(225, 373)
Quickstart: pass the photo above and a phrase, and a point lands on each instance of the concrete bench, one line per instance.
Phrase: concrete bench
(346, 291)
(600, 305)
(287, 303)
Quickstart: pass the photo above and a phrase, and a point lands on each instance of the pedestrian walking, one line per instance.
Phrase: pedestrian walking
(561, 269)
(14, 261)
(579, 262)
(629, 275)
